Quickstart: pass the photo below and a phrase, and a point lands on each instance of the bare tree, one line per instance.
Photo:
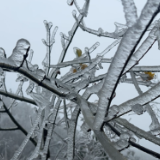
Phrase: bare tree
(61, 100)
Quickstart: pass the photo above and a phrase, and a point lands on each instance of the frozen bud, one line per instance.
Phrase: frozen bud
(138, 109)
(100, 31)
(77, 51)
(45, 22)
(123, 78)
(45, 43)
(70, 2)
(74, 13)
(50, 24)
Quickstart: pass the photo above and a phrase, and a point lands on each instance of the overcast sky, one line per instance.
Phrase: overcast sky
(24, 19)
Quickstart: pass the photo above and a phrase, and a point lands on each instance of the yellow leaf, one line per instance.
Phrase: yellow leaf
(83, 66)
(150, 75)
(74, 70)
(79, 52)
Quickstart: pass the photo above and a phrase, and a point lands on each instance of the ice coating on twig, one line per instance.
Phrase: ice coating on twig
(142, 50)
(119, 31)
(130, 11)
(138, 131)
(146, 97)
(154, 126)
(128, 43)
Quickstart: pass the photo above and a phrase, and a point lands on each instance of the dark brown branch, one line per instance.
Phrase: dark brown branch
(9, 129)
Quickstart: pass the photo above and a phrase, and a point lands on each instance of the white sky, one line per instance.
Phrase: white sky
(24, 19)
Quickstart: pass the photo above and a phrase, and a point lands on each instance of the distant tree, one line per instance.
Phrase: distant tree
(59, 101)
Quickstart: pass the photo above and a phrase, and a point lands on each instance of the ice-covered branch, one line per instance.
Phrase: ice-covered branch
(143, 49)
(143, 83)
(132, 143)
(119, 31)
(71, 133)
(128, 44)
(108, 146)
(155, 126)
(8, 64)
(67, 43)
(130, 11)
(14, 96)
(51, 128)
(138, 131)
(95, 62)
(146, 69)
(50, 40)
(143, 99)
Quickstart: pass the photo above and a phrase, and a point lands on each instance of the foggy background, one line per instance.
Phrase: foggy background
(24, 19)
